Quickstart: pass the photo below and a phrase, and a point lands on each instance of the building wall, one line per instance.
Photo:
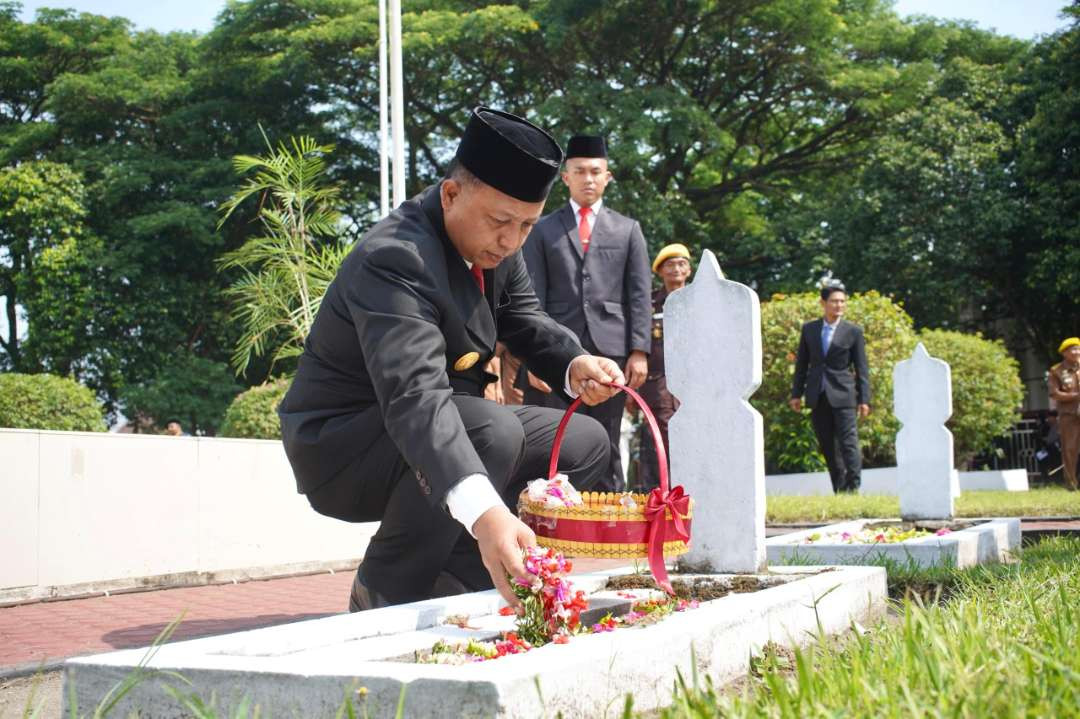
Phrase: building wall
(85, 510)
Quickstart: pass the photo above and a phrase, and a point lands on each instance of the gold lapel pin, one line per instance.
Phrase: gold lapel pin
(466, 361)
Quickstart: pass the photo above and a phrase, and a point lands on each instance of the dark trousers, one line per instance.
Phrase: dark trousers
(608, 414)
(1069, 431)
(416, 541)
(839, 441)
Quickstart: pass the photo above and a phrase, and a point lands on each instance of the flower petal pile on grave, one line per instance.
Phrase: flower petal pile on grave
(873, 535)
(551, 614)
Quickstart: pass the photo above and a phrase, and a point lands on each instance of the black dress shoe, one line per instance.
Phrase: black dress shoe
(361, 598)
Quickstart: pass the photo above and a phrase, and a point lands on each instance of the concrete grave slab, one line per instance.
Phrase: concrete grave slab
(308, 668)
(988, 540)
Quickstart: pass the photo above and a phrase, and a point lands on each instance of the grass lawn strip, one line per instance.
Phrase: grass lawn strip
(1042, 502)
(1006, 644)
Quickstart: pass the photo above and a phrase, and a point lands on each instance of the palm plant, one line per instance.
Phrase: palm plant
(285, 270)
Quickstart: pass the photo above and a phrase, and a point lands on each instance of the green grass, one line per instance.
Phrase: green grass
(1043, 502)
(1006, 645)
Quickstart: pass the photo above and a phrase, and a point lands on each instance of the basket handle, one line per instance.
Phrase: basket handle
(661, 452)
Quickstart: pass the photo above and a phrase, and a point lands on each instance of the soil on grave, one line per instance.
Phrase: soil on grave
(703, 589)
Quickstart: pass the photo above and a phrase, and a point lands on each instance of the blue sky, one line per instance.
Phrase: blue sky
(1021, 18)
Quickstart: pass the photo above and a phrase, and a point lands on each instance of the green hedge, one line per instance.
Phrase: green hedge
(44, 401)
(790, 445)
(986, 389)
(253, 414)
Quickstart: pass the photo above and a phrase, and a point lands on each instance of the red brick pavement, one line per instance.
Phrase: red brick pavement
(45, 633)
(48, 632)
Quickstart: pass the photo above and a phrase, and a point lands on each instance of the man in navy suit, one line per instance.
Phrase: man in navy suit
(831, 369)
(590, 268)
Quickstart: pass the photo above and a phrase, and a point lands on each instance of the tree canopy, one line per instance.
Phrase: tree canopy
(795, 138)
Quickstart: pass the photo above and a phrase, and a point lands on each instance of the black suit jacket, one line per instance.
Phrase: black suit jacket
(605, 290)
(845, 371)
(380, 357)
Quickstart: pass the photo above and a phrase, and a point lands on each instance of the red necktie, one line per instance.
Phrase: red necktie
(583, 229)
(478, 275)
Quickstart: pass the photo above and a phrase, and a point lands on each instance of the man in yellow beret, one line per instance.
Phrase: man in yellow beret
(1064, 383)
(672, 264)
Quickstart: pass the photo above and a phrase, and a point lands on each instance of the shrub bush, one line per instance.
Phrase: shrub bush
(253, 414)
(790, 445)
(986, 389)
(45, 401)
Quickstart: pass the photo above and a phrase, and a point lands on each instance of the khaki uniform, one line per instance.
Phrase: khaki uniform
(1066, 379)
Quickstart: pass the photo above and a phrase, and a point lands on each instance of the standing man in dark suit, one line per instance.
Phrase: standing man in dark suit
(590, 269)
(831, 368)
(385, 419)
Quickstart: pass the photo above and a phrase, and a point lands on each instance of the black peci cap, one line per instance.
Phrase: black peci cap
(586, 146)
(510, 153)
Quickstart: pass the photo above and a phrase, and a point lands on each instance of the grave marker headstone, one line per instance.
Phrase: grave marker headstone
(712, 356)
(922, 400)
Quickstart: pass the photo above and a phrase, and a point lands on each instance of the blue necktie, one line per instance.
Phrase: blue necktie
(826, 335)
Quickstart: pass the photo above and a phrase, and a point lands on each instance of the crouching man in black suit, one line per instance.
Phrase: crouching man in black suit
(831, 369)
(386, 420)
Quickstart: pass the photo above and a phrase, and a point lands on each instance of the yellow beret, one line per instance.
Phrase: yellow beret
(1071, 342)
(675, 249)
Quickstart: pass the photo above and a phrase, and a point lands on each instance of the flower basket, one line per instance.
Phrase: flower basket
(615, 525)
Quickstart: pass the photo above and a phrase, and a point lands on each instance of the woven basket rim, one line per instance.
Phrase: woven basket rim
(598, 506)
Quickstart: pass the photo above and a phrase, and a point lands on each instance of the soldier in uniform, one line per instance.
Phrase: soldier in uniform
(673, 266)
(385, 420)
(1065, 391)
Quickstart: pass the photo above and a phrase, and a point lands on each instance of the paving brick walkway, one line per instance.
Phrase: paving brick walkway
(46, 633)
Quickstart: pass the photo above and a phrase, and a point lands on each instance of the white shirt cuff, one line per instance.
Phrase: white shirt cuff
(470, 498)
(566, 382)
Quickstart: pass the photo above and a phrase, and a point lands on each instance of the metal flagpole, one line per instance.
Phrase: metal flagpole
(384, 158)
(397, 106)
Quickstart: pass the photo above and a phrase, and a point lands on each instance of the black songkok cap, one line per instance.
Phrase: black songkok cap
(586, 146)
(510, 153)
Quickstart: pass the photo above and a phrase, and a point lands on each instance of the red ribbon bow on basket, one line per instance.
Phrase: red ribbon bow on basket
(660, 500)
(656, 508)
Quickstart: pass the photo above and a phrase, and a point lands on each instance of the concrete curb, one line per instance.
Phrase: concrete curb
(304, 668)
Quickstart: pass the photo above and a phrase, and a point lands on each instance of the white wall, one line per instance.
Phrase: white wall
(83, 511)
(882, 480)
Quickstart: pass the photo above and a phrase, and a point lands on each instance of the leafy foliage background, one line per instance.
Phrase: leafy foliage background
(927, 160)
(43, 401)
(253, 413)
